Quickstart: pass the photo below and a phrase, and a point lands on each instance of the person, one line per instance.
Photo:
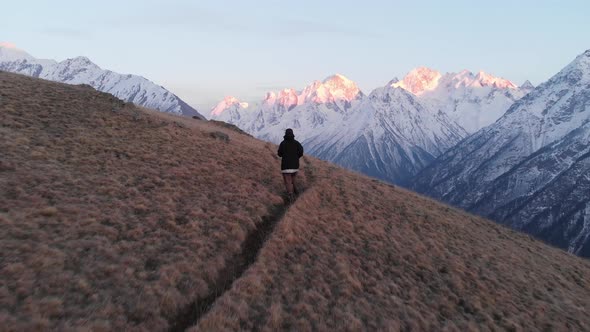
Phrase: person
(290, 150)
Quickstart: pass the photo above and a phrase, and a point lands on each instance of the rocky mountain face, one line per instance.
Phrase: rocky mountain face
(81, 70)
(388, 134)
(531, 168)
(472, 100)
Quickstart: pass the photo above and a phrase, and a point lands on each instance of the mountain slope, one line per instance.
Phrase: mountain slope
(472, 100)
(81, 70)
(115, 217)
(110, 226)
(528, 170)
(388, 134)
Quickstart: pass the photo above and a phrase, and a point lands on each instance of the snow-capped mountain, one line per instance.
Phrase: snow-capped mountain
(81, 70)
(527, 87)
(388, 134)
(472, 100)
(531, 168)
(320, 104)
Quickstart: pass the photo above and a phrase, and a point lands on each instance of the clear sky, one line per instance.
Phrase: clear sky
(204, 50)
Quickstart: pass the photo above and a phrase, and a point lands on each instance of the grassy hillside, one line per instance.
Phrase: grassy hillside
(115, 217)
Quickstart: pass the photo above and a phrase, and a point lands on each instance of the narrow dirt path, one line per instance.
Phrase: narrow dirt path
(234, 269)
(237, 265)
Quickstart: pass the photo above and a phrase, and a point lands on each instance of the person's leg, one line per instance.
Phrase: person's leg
(295, 191)
(288, 182)
(290, 178)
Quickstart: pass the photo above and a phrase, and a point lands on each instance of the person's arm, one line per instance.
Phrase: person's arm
(280, 152)
(300, 149)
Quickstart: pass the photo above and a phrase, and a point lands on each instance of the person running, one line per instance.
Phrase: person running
(290, 150)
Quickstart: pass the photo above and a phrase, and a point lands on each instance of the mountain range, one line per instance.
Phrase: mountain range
(390, 134)
(473, 100)
(80, 70)
(531, 168)
(516, 154)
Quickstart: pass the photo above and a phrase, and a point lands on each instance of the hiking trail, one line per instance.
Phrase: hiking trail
(238, 264)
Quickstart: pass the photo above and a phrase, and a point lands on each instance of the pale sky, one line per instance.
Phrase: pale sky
(205, 50)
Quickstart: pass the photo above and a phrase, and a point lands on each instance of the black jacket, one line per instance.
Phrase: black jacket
(290, 150)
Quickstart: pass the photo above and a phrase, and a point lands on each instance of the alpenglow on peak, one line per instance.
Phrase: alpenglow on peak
(335, 88)
(226, 103)
(419, 80)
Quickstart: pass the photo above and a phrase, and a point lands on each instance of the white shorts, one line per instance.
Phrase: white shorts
(289, 171)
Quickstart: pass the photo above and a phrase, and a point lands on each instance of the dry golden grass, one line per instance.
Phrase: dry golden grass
(118, 218)
(355, 254)
(115, 217)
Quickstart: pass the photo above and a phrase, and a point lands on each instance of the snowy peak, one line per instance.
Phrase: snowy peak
(230, 100)
(422, 79)
(226, 103)
(466, 79)
(76, 65)
(389, 92)
(81, 61)
(7, 45)
(80, 70)
(287, 98)
(484, 79)
(269, 98)
(527, 85)
(339, 81)
(9, 52)
(419, 80)
(583, 58)
(472, 100)
(393, 81)
(556, 107)
(577, 72)
(335, 88)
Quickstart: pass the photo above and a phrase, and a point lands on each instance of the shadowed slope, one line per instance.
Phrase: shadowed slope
(529, 169)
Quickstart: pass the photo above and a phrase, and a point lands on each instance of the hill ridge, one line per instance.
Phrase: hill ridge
(80, 70)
